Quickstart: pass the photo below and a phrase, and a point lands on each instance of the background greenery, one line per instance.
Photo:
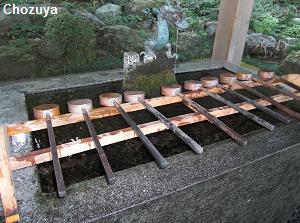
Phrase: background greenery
(270, 17)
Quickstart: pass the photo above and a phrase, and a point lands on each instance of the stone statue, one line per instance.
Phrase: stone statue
(152, 68)
(166, 14)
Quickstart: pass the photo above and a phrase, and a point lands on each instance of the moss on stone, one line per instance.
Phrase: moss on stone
(249, 66)
(291, 64)
(150, 84)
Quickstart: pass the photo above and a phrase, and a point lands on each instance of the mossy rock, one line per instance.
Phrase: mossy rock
(291, 64)
(15, 64)
(116, 39)
(150, 76)
(74, 35)
(150, 84)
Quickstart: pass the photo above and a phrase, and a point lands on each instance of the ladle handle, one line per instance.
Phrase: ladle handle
(296, 87)
(107, 168)
(161, 161)
(196, 107)
(244, 112)
(56, 163)
(177, 131)
(281, 91)
(274, 114)
(270, 100)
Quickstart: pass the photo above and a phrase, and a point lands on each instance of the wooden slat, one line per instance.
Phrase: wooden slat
(233, 22)
(86, 144)
(7, 189)
(35, 125)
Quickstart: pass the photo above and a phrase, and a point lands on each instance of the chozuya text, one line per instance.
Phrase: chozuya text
(13, 9)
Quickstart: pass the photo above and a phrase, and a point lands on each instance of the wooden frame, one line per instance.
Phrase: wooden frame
(7, 189)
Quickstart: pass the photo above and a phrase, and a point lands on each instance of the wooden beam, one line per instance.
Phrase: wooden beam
(7, 189)
(82, 145)
(66, 119)
(233, 23)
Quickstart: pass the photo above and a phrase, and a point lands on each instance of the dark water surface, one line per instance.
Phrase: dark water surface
(130, 153)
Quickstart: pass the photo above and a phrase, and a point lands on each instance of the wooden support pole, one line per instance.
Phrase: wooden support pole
(82, 145)
(66, 119)
(7, 189)
(233, 23)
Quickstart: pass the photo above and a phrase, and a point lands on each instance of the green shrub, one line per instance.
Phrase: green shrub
(296, 47)
(266, 24)
(77, 34)
(292, 31)
(262, 64)
(278, 20)
(143, 34)
(202, 50)
(16, 48)
(126, 20)
(26, 31)
(108, 63)
(204, 8)
(69, 5)
(20, 44)
(288, 27)
(32, 2)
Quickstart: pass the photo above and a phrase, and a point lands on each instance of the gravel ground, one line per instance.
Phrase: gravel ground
(295, 217)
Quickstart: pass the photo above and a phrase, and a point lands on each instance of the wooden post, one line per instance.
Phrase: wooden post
(233, 23)
(7, 189)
